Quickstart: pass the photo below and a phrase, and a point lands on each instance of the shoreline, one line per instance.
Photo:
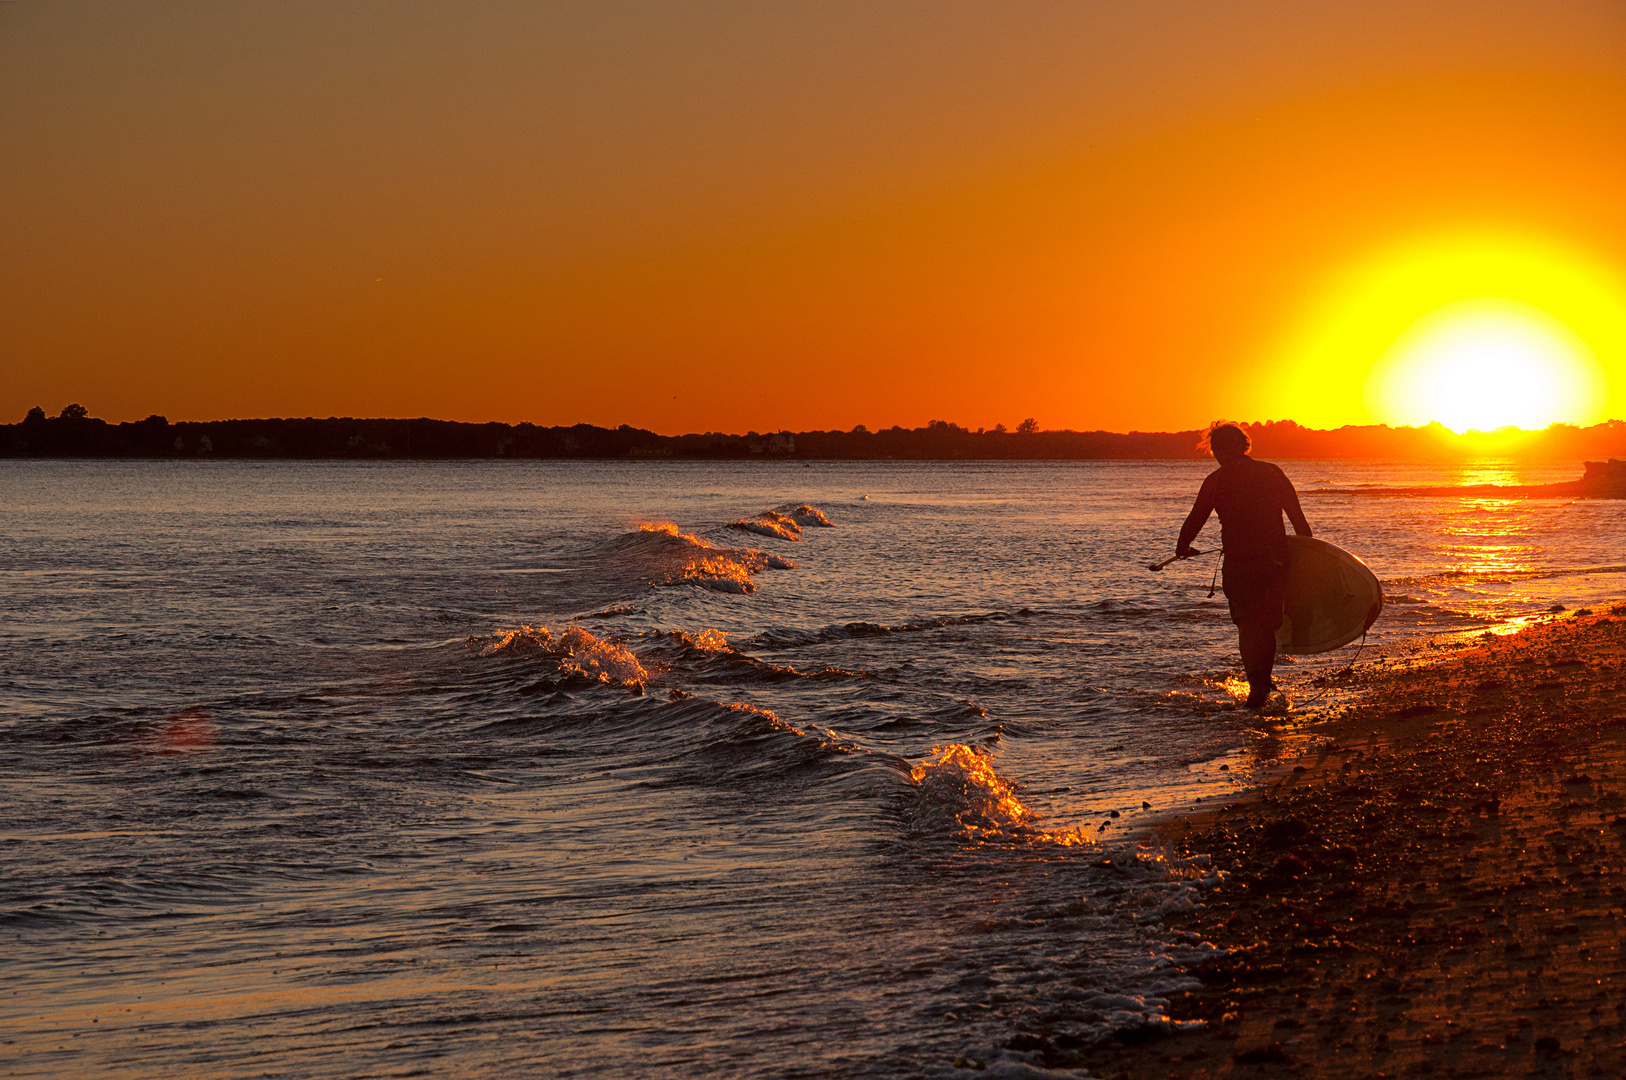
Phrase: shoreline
(1437, 887)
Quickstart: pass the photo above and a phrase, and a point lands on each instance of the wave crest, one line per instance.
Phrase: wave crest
(671, 556)
(960, 794)
(575, 651)
(809, 517)
(785, 523)
(770, 523)
(709, 641)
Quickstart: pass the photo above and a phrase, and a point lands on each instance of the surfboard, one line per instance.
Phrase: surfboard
(1332, 598)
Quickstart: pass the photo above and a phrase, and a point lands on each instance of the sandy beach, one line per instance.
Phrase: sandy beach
(1436, 891)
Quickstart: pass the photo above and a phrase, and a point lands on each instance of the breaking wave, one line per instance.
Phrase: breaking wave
(959, 794)
(670, 556)
(705, 656)
(809, 517)
(752, 720)
(770, 523)
(785, 523)
(575, 652)
(708, 641)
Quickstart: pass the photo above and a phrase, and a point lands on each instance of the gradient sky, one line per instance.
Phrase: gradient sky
(732, 216)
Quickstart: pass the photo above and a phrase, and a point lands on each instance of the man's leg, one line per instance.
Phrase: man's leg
(1253, 589)
(1257, 641)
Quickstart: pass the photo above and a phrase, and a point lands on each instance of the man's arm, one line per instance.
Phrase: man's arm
(1295, 512)
(1196, 519)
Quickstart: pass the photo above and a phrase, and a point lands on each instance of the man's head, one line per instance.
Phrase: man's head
(1226, 441)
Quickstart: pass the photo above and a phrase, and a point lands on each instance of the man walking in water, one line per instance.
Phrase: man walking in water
(1251, 497)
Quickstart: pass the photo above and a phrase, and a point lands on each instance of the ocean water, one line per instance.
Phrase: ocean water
(545, 768)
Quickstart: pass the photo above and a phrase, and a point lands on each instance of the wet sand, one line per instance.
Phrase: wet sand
(1437, 891)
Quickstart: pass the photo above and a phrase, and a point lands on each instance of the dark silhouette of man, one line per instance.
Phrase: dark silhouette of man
(1251, 497)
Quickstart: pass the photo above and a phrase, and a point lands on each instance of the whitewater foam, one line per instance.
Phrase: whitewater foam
(674, 557)
(809, 517)
(574, 651)
(770, 523)
(709, 641)
(960, 794)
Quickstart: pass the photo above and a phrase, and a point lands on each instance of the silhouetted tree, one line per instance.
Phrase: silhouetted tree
(76, 434)
(75, 411)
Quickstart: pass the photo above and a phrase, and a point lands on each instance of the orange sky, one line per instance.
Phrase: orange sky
(755, 216)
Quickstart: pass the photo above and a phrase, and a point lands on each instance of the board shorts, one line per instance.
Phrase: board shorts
(1255, 587)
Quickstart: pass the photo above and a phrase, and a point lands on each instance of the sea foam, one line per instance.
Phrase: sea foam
(961, 794)
(809, 517)
(784, 523)
(575, 651)
(770, 523)
(674, 557)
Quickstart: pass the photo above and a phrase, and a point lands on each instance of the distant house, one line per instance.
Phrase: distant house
(782, 443)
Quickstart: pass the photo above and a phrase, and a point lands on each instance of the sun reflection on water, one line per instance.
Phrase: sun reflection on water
(1489, 472)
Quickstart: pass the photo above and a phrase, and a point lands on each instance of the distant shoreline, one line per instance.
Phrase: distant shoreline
(74, 434)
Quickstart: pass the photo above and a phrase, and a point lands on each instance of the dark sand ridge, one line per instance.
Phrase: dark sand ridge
(1437, 891)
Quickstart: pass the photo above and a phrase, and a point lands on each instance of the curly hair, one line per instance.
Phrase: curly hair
(1224, 431)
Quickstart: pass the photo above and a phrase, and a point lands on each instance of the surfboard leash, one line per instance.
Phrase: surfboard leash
(1331, 679)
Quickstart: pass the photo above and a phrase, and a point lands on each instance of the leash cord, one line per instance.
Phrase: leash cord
(1338, 674)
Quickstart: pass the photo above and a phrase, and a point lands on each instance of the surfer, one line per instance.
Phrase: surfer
(1251, 497)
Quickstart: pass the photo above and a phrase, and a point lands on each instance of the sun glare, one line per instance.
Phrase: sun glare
(1472, 330)
(1486, 365)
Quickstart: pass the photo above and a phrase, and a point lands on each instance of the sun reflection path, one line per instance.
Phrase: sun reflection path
(1494, 559)
(1488, 472)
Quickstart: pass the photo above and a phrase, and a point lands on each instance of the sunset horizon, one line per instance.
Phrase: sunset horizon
(741, 218)
(76, 410)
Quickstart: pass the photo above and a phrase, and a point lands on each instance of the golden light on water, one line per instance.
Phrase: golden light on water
(1488, 364)
(1474, 330)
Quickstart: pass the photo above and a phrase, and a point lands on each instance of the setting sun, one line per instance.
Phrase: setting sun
(1486, 365)
(1474, 331)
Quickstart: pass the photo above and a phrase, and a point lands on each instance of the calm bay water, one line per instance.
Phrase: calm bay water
(516, 768)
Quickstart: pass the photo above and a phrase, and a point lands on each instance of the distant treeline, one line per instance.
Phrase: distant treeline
(76, 434)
